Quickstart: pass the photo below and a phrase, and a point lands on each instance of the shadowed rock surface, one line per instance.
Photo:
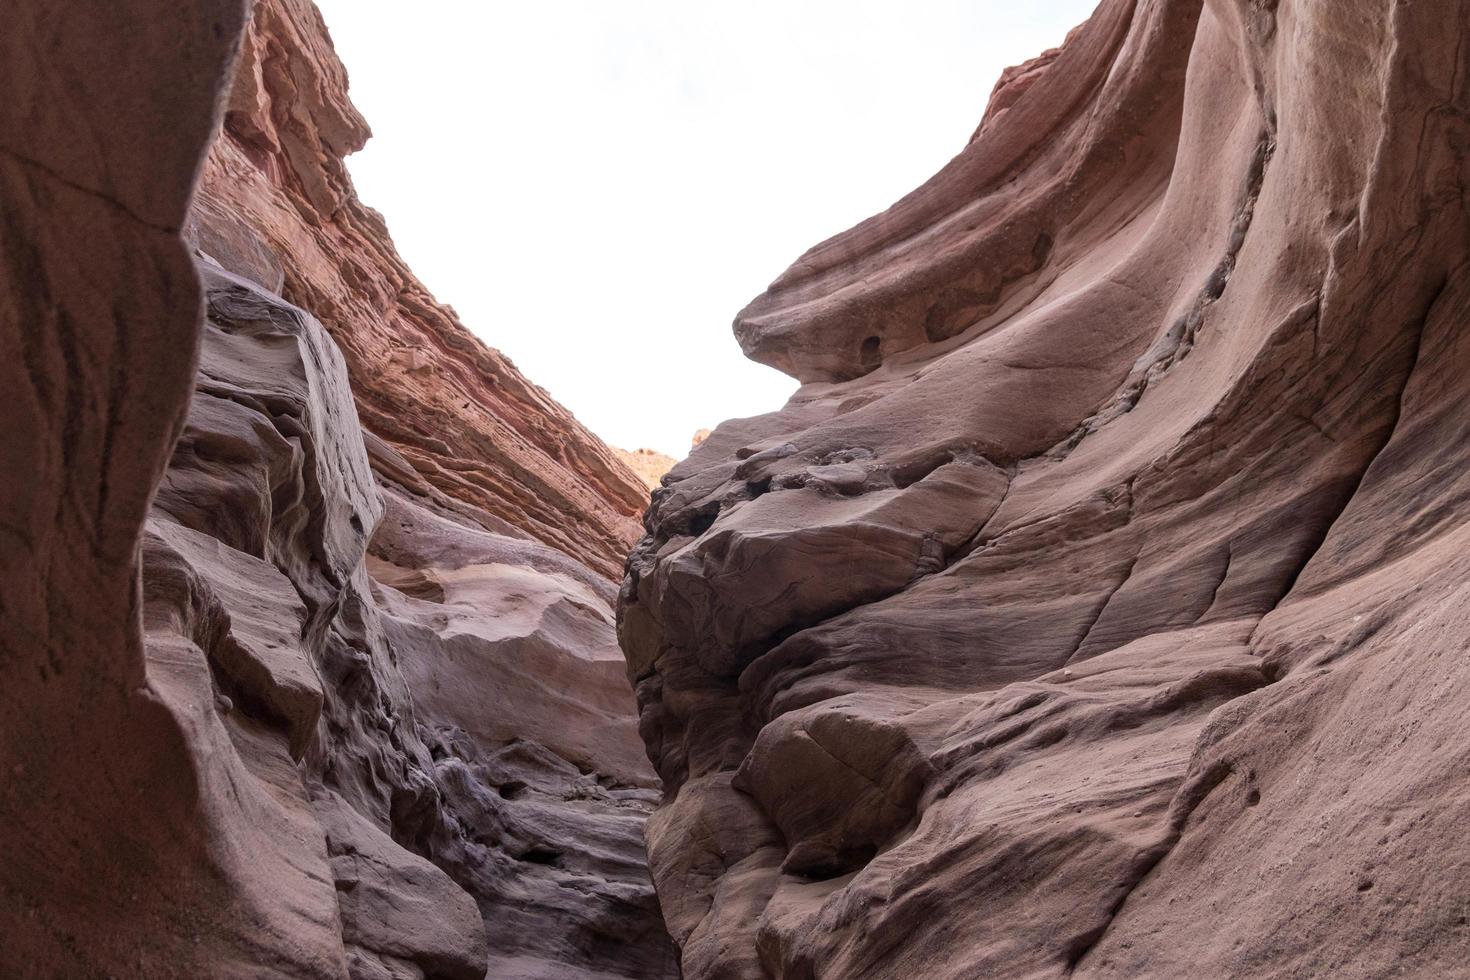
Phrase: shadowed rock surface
(99, 311)
(1095, 607)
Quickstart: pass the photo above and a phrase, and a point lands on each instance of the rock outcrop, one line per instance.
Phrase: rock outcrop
(649, 464)
(434, 716)
(308, 641)
(276, 203)
(1094, 607)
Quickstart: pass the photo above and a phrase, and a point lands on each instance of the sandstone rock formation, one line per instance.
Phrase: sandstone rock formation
(649, 464)
(275, 202)
(308, 642)
(99, 310)
(436, 711)
(1094, 607)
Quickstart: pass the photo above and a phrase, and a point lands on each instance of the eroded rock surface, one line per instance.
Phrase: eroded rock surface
(498, 745)
(101, 801)
(309, 656)
(1093, 608)
(276, 204)
(428, 723)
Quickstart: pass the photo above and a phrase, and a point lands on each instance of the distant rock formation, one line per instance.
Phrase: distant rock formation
(1095, 608)
(309, 656)
(649, 464)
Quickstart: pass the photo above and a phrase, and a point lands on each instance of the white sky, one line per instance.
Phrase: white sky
(598, 187)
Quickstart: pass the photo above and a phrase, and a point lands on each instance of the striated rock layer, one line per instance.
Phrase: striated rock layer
(1095, 607)
(649, 464)
(479, 716)
(276, 203)
(308, 643)
(429, 722)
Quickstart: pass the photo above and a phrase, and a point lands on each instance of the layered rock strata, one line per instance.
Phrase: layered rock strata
(649, 464)
(429, 719)
(1092, 608)
(275, 202)
(309, 652)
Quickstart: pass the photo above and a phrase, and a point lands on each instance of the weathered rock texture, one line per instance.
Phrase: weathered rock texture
(1096, 606)
(649, 464)
(276, 202)
(430, 719)
(309, 657)
(99, 311)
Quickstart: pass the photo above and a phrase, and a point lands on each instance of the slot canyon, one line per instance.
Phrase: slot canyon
(1096, 607)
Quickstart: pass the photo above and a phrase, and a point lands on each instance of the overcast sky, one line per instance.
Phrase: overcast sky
(597, 187)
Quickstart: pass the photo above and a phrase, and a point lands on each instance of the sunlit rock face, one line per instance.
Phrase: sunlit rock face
(1095, 607)
(308, 645)
(649, 464)
(276, 203)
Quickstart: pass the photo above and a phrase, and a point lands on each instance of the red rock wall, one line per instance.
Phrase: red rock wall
(472, 766)
(276, 203)
(426, 722)
(105, 843)
(1094, 607)
(284, 696)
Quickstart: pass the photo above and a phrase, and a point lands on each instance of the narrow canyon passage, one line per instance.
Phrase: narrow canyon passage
(310, 655)
(1095, 607)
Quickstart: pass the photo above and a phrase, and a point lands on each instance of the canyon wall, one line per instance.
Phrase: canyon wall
(1096, 607)
(310, 659)
(276, 202)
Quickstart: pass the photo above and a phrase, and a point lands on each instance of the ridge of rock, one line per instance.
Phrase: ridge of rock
(275, 203)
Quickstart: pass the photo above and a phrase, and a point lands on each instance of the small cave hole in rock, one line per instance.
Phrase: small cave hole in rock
(513, 790)
(1253, 797)
(704, 520)
(541, 855)
(870, 355)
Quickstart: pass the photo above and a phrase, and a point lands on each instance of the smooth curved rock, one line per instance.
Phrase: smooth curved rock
(521, 696)
(110, 837)
(1186, 314)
